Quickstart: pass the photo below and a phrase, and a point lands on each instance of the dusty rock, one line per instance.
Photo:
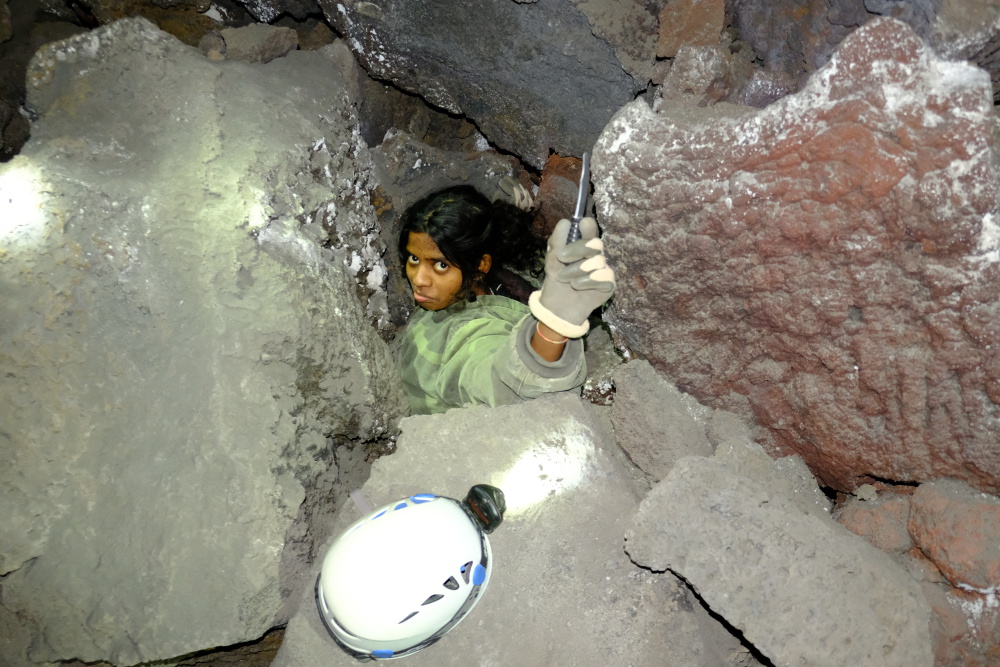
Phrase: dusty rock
(965, 626)
(630, 27)
(689, 23)
(969, 30)
(883, 521)
(184, 359)
(655, 424)
(958, 528)
(547, 85)
(562, 592)
(866, 492)
(788, 476)
(721, 72)
(766, 566)
(258, 43)
(828, 266)
(710, 74)
(948, 538)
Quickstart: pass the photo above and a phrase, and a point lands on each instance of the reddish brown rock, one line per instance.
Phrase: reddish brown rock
(557, 191)
(958, 528)
(827, 265)
(964, 627)
(882, 522)
(690, 23)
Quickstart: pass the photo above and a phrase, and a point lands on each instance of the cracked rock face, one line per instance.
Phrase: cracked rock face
(829, 265)
(180, 347)
(543, 82)
(801, 588)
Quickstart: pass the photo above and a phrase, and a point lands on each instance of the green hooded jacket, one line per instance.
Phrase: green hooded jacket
(479, 352)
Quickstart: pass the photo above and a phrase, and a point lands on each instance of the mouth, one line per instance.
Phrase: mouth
(420, 298)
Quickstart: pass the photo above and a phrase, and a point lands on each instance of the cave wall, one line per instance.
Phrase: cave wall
(221, 214)
(185, 350)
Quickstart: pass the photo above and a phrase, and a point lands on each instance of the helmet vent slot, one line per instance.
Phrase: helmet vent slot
(433, 598)
(408, 618)
(466, 571)
(451, 584)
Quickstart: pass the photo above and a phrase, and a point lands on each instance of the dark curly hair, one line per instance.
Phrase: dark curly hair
(465, 225)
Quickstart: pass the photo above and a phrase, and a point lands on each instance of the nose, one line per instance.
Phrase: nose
(421, 277)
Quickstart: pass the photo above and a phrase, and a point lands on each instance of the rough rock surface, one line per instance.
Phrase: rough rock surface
(798, 38)
(562, 592)
(959, 530)
(689, 23)
(882, 521)
(965, 626)
(258, 43)
(969, 30)
(800, 588)
(655, 424)
(182, 357)
(539, 81)
(795, 38)
(954, 537)
(829, 265)
(720, 73)
(630, 27)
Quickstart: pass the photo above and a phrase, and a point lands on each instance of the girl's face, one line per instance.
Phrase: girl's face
(435, 281)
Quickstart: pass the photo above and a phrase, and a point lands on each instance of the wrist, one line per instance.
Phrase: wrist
(553, 321)
(549, 335)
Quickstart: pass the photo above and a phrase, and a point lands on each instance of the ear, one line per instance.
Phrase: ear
(484, 265)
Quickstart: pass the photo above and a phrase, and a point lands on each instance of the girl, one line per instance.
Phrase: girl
(468, 345)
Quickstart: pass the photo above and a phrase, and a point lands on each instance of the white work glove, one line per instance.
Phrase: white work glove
(512, 192)
(577, 280)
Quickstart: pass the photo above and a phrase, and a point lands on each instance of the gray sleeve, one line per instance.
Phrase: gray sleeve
(528, 375)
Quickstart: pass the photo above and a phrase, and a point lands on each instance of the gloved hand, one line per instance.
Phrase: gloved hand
(512, 192)
(577, 280)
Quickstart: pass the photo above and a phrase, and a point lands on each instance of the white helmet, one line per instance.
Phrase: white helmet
(398, 579)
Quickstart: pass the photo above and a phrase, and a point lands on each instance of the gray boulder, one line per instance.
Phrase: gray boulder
(562, 592)
(184, 358)
(800, 587)
(533, 77)
(655, 424)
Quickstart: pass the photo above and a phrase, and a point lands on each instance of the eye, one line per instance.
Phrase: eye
(412, 259)
(441, 267)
